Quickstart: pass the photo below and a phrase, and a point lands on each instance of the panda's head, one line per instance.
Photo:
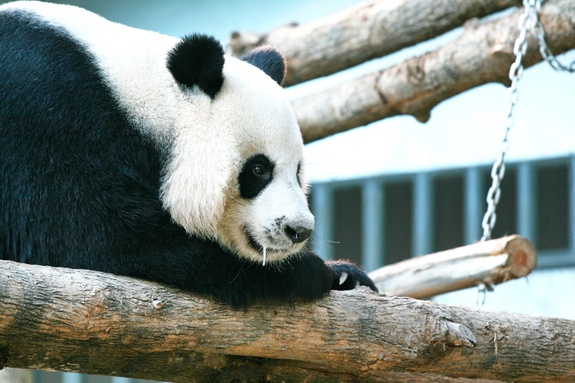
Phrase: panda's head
(235, 173)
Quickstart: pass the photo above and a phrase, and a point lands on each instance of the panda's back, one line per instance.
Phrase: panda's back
(67, 149)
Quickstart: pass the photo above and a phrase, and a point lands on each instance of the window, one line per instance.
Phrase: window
(347, 224)
(552, 206)
(447, 207)
(427, 212)
(398, 221)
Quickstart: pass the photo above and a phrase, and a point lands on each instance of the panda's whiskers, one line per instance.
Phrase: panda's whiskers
(264, 248)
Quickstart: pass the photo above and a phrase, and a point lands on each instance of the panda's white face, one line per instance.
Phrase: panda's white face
(271, 212)
(253, 146)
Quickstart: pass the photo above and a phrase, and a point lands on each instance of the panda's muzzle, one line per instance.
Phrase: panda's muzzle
(255, 244)
(295, 235)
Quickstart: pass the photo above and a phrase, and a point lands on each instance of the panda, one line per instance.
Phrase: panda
(135, 153)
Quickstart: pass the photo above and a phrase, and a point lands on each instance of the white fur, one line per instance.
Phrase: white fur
(209, 139)
(253, 116)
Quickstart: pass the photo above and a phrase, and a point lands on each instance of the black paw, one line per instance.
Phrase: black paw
(348, 276)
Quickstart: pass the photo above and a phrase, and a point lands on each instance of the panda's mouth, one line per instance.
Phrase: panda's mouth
(261, 249)
(258, 246)
(253, 243)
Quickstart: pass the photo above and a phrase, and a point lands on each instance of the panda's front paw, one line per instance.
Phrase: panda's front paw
(348, 276)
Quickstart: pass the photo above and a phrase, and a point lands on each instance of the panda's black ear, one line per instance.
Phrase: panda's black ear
(198, 60)
(269, 60)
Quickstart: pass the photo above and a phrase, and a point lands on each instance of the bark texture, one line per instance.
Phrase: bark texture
(91, 322)
(369, 30)
(482, 54)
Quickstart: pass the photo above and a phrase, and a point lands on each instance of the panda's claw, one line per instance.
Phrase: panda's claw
(348, 276)
(343, 277)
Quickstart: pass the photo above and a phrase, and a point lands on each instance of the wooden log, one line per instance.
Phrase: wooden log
(490, 262)
(482, 54)
(91, 322)
(369, 30)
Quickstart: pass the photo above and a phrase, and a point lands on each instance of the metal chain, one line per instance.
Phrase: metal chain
(546, 53)
(528, 22)
(515, 73)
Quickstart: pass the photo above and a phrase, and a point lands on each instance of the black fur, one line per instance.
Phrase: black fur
(79, 185)
(198, 60)
(269, 60)
(256, 174)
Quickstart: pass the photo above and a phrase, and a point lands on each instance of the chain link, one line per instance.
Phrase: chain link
(544, 50)
(528, 22)
(515, 73)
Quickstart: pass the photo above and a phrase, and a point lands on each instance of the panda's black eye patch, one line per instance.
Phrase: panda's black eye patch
(256, 174)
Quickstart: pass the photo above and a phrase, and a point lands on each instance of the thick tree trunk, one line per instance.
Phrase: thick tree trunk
(482, 54)
(90, 322)
(369, 30)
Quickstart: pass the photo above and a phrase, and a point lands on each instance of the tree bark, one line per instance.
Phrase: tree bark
(91, 322)
(482, 54)
(361, 33)
(489, 262)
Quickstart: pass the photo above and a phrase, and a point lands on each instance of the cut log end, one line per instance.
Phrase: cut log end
(522, 257)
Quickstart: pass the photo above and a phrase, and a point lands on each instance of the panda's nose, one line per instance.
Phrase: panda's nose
(297, 234)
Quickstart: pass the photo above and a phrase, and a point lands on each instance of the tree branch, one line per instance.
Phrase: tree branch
(91, 322)
(489, 262)
(482, 54)
(361, 33)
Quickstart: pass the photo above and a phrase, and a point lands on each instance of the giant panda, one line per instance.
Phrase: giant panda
(135, 153)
